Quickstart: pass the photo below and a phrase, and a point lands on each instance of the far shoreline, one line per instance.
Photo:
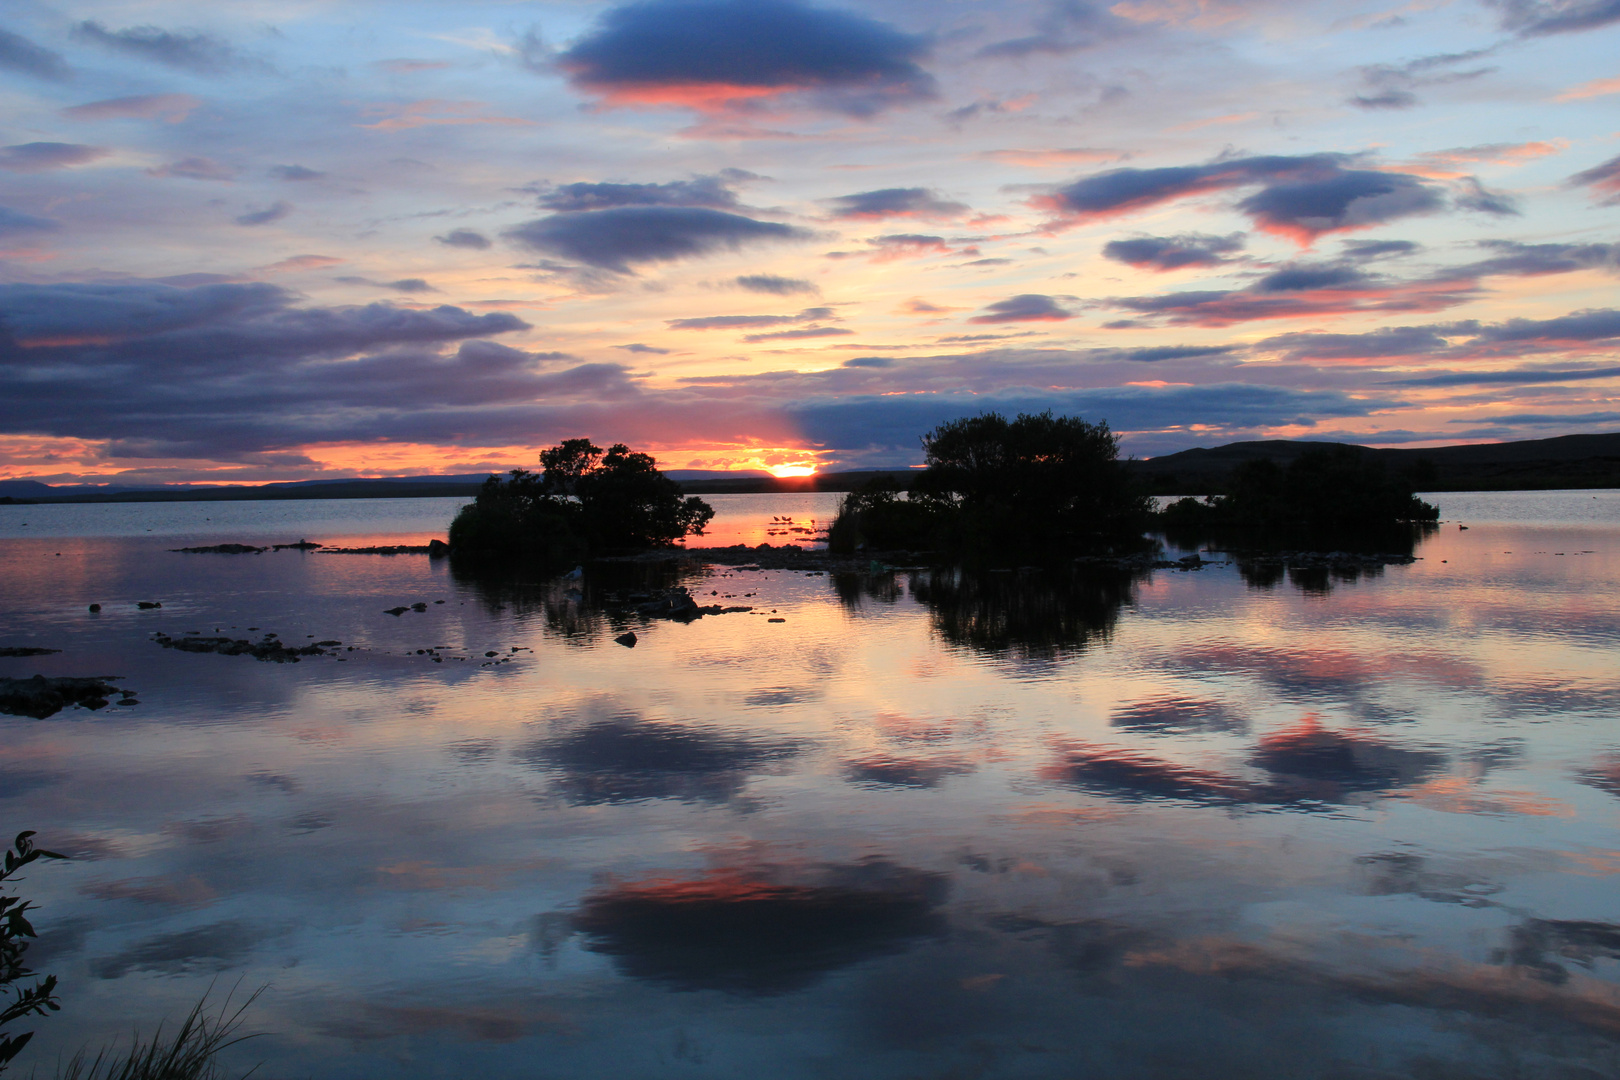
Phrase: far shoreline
(1583, 462)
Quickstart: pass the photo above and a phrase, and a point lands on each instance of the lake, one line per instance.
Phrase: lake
(1198, 824)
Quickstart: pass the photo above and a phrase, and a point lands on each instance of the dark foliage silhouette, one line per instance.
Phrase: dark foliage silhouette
(881, 517)
(585, 500)
(1033, 487)
(15, 933)
(1333, 489)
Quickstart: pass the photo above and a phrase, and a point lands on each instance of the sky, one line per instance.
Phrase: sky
(256, 242)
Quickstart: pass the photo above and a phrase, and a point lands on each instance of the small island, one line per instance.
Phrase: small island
(585, 502)
(1335, 488)
(1030, 488)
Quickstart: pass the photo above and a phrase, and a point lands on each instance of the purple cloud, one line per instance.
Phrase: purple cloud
(616, 239)
(19, 54)
(894, 202)
(189, 52)
(1299, 197)
(775, 285)
(794, 335)
(708, 54)
(13, 221)
(1538, 18)
(465, 238)
(1026, 307)
(710, 191)
(43, 156)
(194, 168)
(1603, 179)
(1174, 252)
(735, 322)
(272, 213)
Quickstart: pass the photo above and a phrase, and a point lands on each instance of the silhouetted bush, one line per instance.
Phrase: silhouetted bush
(1028, 488)
(15, 933)
(882, 517)
(586, 500)
(1332, 489)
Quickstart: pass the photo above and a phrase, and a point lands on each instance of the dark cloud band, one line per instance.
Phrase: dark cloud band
(706, 52)
(620, 238)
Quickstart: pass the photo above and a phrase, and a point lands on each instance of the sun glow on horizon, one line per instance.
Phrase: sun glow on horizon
(782, 472)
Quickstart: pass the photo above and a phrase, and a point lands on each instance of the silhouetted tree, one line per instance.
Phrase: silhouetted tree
(1031, 487)
(586, 499)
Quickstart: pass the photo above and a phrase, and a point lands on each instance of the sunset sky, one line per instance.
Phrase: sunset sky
(250, 241)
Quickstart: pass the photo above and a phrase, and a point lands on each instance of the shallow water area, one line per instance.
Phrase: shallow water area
(1024, 824)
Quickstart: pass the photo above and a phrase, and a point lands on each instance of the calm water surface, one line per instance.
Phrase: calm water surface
(1020, 826)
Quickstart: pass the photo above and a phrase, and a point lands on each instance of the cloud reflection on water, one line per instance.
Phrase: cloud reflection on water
(1307, 764)
(761, 930)
(625, 758)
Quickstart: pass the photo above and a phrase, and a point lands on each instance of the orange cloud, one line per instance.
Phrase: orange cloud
(1595, 88)
(170, 108)
(300, 262)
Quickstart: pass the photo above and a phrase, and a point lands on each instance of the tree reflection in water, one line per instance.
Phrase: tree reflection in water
(1026, 616)
(1312, 561)
(581, 607)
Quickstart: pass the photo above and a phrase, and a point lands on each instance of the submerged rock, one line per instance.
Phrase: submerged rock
(41, 697)
(26, 650)
(148, 605)
(677, 604)
(223, 549)
(267, 648)
(389, 549)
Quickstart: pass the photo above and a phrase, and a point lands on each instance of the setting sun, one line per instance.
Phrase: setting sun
(782, 472)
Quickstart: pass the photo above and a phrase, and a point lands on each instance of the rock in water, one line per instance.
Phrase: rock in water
(267, 649)
(26, 650)
(40, 697)
(628, 640)
(222, 549)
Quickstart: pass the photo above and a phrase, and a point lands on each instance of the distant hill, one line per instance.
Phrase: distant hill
(1568, 461)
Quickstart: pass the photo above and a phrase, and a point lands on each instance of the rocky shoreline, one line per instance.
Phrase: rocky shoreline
(792, 557)
(41, 697)
(269, 648)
